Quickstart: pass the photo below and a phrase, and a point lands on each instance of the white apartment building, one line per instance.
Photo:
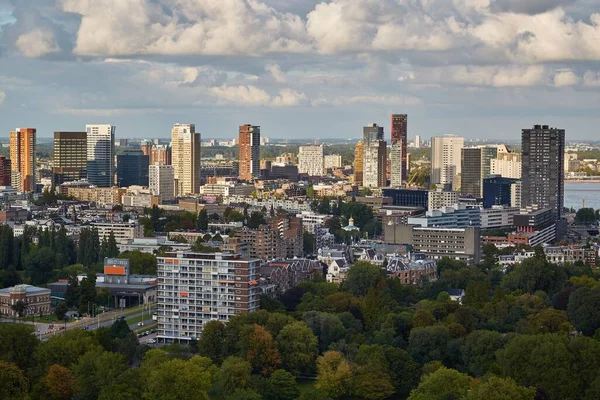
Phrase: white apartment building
(332, 161)
(507, 165)
(446, 158)
(195, 288)
(396, 164)
(139, 196)
(185, 156)
(515, 194)
(122, 231)
(100, 155)
(226, 189)
(161, 182)
(439, 199)
(310, 160)
(312, 221)
(498, 217)
(375, 164)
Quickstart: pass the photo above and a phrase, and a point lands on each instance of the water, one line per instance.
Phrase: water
(575, 192)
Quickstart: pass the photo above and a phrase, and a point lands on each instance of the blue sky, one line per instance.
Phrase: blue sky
(301, 68)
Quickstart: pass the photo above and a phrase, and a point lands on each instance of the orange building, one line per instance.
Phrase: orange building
(358, 163)
(249, 152)
(22, 156)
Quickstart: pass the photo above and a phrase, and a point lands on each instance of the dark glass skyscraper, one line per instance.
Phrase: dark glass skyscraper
(497, 191)
(543, 159)
(132, 168)
(399, 132)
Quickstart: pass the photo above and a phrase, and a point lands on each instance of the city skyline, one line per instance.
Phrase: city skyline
(497, 65)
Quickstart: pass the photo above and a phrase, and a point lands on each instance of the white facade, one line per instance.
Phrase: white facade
(498, 217)
(515, 194)
(332, 161)
(439, 199)
(161, 182)
(122, 232)
(374, 164)
(312, 221)
(507, 165)
(417, 143)
(446, 158)
(310, 160)
(195, 288)
(101, 154)
(185, 156)
(396, 164)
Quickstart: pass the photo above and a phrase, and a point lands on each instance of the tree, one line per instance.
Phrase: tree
(442, 384)
(548, 362)
(404, 370)
(58, 384)
(64, 349)
(496, 388)
(14, 384)
(256, 219)
(372, 381)
(17, 344)
(20, 307)
(535, 274)
(479, 349)
(61, 310)
(261, 350)
(283, 386)
(211, 343)
(111, 247)
(39, 265)
(584, 310)
(308, 240)
(298, 347)
(95, 370)
(202, 221)
(429, 343)
(245, 394)
(179, 379)
(234, 374)
(334, 375)
(120, 391)
(140, 263)
(585, 216)
(361, 277)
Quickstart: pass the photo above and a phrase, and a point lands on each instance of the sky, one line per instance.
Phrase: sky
(301, 68)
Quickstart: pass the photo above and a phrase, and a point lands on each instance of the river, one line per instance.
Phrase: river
(575, 192)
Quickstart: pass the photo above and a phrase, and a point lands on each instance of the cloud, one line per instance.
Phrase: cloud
(2, 96)
(253, 96)
(288, 98)
(591, 78)
(527, 6)
(276, 73)
(387, 100)
(494, 76)
(565, 78)
(37, 43)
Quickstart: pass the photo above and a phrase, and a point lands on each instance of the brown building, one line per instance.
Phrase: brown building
(286, 274)
(70, 157)
(249, 152)
(359, 152)
(22, 155)
(400, 135)
(279, 238)
(161, 154)
(35, 299)
(13, 215)
(4, 171)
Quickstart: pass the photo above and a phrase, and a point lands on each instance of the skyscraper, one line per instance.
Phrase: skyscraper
(310, 160)
(100, 154)
(475, 167)
(70, 157)
(132, 168)
(395, 160)
(22, 157)
(400, 135)
(161, 182)
(4, 171)
(375, 156)
(249, 152)
(359, 153)
(185, 145)
(445, 158)
(543, 183)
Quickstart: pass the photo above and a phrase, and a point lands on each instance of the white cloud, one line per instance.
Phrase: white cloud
(37, 43)
(288, 98)
(253, 96)
(276, 73)
(591, 78)
(105, 112)
(565, 78)
(390, 100)
(494, 76)
(2, 96)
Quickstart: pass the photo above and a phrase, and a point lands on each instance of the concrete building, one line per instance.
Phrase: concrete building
(446, 158)
(226, 190)
(122, 231)
(195, 288)
(395, 165)
(22, 156)
(439, 199)
(375, 156)
(507, 164)
(161, 153)
(359, 153)
(132, 168)
(310, 160)
(5, 171)
(497, 191)
(417, 142)
(457, 216)
(312, 221)
(100, 155)
(399, 136)
(139, 197)
(543, 164)
(35, 299)
(69, 161)
(103, 197)
(498, 217)
(462, 244)
(408, 197)
(332, 161)
(185, 145)
(162, 182)
(412, 272)
(286, 274)
(249, 152)
(475, 167)
(281, 237)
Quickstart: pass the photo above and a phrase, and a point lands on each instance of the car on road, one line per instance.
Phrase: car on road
(141, 323)
(152, 341)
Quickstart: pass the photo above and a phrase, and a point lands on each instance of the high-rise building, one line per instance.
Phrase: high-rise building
(185, 145)
(132, 168)
(359, 153)
(310, 160)
(395, 160)
(70, 157)
(400, 135)
(497, 191)
(100, 154)
(22, 156)
(161, 182)
(543, 183)
(195, 288)
(249, 152)
(332, 161)
(146, 147)
(475, 167)
(507, 164)
(445, 158)
(375, 156)
(4, 171)
(161, 153)
(417, 143)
